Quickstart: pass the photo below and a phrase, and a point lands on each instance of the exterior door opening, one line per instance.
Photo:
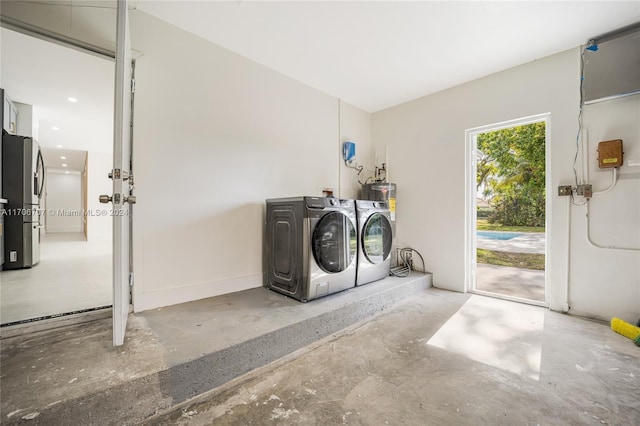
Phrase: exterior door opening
(506, 210)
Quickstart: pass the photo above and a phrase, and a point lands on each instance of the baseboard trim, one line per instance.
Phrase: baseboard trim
(151, 300)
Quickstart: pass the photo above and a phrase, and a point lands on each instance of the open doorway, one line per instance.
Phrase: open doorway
(507, 202)
(69, 96)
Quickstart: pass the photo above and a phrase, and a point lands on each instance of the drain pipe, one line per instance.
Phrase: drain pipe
(565, 305)
(598, 246)
(614, 180)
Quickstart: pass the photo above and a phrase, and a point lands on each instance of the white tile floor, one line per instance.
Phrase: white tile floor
(72, 275)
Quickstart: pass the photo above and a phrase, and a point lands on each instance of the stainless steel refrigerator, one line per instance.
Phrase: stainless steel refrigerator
(22, 187)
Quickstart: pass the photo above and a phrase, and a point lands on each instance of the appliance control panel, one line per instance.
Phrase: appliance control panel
(322, 202)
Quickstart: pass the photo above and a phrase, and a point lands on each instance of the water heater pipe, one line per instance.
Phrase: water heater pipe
(340, 151)
(565, 305)
(386, 159)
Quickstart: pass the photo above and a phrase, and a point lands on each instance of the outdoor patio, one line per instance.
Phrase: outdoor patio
(509, 281)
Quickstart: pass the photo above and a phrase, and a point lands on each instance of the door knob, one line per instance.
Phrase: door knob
(104, 199)
(131, 199)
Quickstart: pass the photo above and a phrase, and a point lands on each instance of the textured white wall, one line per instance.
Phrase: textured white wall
(426, 137)
(99, 224)
(64, 202)
(215, 135)
(355, 126)
(605, 282)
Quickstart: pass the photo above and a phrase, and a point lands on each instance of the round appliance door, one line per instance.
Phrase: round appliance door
(377, 238)
(334, 242)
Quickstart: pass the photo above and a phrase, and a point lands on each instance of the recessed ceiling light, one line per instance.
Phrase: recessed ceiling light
(58, 146)
(64, 165)
(54, 128)
(67, 172)
(70, 99)
(62, 157)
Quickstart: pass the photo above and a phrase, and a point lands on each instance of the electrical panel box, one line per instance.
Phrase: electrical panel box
(349, 151)
(610, 154)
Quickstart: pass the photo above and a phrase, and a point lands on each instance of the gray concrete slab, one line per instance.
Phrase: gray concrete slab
(230, 319)
(508, 281)
(440, 358)
(72, 375)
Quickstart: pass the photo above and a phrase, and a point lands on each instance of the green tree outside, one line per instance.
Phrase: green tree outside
(511, 171)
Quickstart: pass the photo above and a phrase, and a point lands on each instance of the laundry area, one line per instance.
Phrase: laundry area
(278, 221)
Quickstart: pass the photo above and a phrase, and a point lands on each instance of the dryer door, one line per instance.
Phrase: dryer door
(334, 242)
(377, 238)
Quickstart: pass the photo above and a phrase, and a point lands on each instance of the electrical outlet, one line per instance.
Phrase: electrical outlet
(409, 259)
(564, 190)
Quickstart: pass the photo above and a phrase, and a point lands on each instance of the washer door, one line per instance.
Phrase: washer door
(334, 242)
(377, 238)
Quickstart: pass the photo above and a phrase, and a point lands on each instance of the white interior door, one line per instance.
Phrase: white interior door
(121, 170)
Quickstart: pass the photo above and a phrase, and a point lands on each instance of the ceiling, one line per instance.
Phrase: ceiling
(378, 54)
(373, 55)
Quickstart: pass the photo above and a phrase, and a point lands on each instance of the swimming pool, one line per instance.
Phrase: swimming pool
(497, 235)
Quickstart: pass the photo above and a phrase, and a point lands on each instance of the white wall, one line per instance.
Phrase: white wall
(99, 225)
(355, 126)
(64, 202)
(606, 282)
(426, 140)
(215, 134)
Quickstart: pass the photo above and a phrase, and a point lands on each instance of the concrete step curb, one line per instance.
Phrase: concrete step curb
(140, 398)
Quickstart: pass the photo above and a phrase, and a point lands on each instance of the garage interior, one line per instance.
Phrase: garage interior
(218, 130)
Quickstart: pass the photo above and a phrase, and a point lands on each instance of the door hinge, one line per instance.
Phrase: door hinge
(133, 85)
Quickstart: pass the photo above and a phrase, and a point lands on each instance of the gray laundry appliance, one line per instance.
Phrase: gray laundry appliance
(375, 238)
(310, 246)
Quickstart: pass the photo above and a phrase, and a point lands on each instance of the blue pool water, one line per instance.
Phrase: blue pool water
(497, 235)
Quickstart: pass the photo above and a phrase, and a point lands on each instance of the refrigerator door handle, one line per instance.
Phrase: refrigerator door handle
(40, 188)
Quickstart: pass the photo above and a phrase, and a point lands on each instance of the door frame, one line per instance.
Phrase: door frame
(88, 48)
(470, 261)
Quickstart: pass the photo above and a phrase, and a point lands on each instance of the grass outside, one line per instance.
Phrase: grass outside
(515, 260)
(483, 225)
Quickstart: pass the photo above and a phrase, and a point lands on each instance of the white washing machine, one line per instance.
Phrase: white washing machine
(375, 238)
(310, 246)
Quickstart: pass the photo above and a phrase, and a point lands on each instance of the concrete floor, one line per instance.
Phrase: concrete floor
(426, 356)
(508, 281)
(72, 275)
(72, 374)
(445, 359)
